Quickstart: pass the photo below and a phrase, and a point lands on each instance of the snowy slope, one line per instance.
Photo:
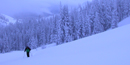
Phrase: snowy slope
(5, 19)
(124, 22)
(108, 48)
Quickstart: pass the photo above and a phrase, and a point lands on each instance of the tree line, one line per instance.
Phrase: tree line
(70, 24)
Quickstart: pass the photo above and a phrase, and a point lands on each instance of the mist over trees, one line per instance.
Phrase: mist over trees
(69, 25)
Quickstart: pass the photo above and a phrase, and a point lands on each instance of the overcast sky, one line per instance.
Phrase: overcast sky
(11, 7)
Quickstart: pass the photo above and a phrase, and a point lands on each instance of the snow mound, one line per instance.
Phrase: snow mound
(124, 22)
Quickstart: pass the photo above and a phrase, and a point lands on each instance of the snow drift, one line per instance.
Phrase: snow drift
(124, 22)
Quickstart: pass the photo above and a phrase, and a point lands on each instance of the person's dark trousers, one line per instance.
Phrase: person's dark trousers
(27, 54)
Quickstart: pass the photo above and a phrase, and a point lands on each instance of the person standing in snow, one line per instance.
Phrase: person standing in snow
(27, 49)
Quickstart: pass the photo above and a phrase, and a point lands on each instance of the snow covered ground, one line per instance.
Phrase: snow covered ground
(108, 48)
(124, 22)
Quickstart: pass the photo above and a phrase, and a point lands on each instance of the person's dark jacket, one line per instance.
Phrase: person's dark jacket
(27, 48)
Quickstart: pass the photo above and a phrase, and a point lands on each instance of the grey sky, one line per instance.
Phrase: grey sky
(11, 7)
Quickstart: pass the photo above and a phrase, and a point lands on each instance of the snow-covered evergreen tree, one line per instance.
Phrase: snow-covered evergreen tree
(80, 23)
(98, 27)
(126, 7)
(74, 23)
(33, 42)
(115, 18)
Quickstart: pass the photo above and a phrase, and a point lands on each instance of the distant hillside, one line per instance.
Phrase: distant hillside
(5, 19)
